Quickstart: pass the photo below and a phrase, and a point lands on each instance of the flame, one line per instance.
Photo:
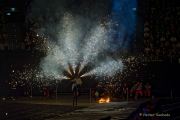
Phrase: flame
(108, 100)
(104, 100)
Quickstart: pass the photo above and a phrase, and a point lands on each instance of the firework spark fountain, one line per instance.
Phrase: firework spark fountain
(63, 58)
(76, 42)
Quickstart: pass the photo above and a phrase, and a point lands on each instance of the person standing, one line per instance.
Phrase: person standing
(138, 92)
(125, 91)
(76, 85)
(75, 93)
(147, 91)
(96, 95)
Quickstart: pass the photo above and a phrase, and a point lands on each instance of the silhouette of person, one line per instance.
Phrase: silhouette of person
(75, 93)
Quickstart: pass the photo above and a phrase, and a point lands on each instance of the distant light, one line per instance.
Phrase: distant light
(37, 35)
(134, 9)
(8, 14)
(13, 9)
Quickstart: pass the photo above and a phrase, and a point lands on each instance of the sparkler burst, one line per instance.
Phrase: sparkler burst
(77, 45)
(67, 54)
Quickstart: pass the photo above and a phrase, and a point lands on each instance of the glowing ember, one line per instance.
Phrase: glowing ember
(104, 100)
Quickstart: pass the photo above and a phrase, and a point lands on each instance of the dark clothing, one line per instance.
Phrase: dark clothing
(75, 90)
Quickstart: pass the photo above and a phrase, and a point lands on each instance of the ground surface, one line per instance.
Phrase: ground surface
(61, 109)
(114, 110)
